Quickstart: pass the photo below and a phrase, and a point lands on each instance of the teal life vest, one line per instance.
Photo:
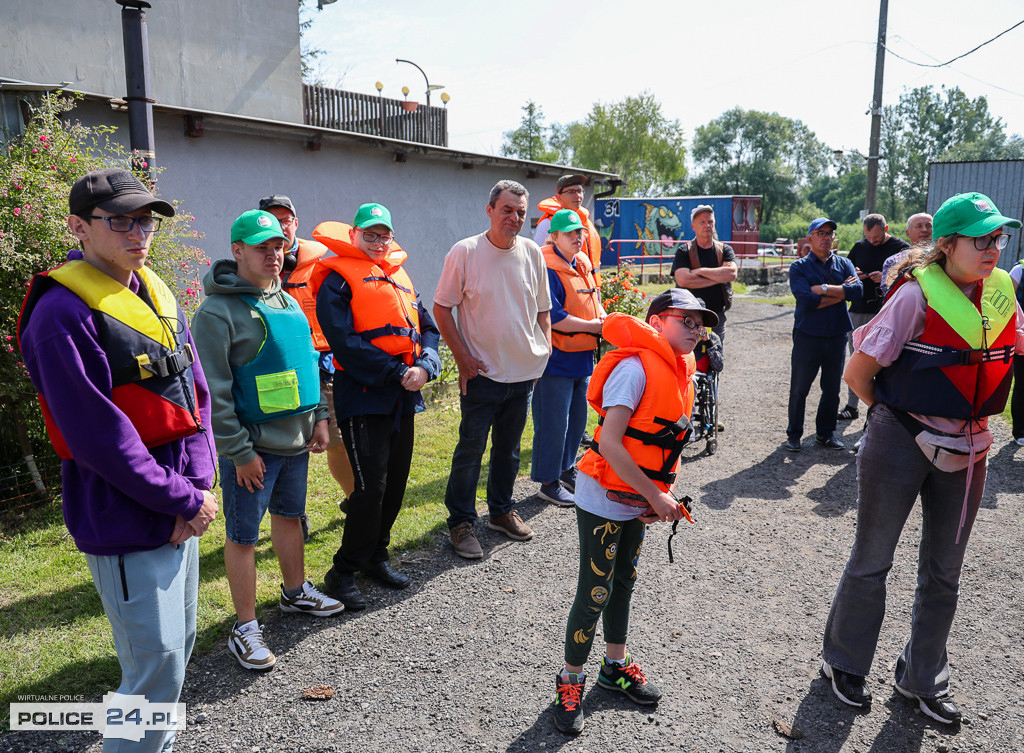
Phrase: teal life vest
(283, 379)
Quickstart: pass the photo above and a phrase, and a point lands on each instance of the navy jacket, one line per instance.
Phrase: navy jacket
(809, 271)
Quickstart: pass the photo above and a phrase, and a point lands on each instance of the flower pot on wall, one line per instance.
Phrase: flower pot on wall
(410, 106)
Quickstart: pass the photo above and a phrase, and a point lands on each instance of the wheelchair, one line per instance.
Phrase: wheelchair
(705, 392)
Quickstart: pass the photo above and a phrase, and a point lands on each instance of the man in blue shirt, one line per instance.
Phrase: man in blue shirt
(822, 282)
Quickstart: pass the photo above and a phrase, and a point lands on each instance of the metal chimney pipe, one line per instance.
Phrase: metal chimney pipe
(136, 73)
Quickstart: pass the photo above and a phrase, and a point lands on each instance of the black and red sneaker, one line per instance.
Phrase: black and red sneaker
(569, 703)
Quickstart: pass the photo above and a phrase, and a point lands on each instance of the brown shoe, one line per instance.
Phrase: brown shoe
(464, 541)
(511, 525)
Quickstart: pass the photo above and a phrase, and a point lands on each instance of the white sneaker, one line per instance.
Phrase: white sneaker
(249, 648)
(311, 601)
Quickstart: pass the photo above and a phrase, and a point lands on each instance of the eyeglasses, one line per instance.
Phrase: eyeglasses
(374, 238)
(120, 223)
(985, 242)
(573, 190)
(288, 221)
(688, 321)
(824, 234)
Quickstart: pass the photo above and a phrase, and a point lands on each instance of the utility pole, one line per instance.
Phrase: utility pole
(871, 196)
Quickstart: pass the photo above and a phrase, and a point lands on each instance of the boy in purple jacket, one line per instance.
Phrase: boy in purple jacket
(127, 409)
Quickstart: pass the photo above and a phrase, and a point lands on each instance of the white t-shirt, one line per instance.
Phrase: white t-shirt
(497, 294)
(624, 386)
(540, 235)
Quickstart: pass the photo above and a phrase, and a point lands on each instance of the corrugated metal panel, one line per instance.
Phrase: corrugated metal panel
(1000, 180)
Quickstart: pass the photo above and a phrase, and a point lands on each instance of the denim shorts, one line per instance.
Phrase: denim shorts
(283, 493)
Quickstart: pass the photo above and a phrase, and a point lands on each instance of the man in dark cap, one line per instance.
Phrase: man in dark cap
(822, 283)
(569, 195)
(128, 410)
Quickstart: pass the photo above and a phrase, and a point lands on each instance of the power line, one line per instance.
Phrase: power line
(958, 57)
(962, 73)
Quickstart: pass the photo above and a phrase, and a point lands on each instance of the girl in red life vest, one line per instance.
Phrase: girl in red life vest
(560, 395)
(643, 392)
(932, 366)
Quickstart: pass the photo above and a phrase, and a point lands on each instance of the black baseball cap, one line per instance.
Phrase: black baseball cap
(570, 180)
(681, 298)
(114, 190)
(277, 200)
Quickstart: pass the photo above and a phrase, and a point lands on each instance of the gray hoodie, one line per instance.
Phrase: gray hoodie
(227, 335)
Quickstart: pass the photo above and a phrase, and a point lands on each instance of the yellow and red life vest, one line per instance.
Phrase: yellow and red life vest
(591, 238)
(297, 286)
(961, 365)
(151, 372)
(658, 428)
(582, 298)
(384, 310)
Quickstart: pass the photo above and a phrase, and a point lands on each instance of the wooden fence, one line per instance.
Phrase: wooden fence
(377, 116)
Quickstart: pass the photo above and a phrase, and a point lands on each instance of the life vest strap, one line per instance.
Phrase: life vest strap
(170, 365)
(293, 285)
(390, 329)
(673, 437)
(387, 279)
(934, 356)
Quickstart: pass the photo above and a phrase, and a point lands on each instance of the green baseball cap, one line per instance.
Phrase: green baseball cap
(255, 226)
(971, 214)
(565, 220)
(369, 215)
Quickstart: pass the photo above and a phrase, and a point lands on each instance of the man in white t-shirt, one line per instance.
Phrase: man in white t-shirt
(498, 282)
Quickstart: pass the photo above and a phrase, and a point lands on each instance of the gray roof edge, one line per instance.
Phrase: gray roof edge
(301, 129)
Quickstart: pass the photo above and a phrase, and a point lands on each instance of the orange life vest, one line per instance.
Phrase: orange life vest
(150, 370)
(591, 238)
(384, 309)
(297, 286)
(582, 298)
(658, 428)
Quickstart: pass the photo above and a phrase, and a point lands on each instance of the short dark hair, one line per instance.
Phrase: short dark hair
(507, 185)
(874, 220)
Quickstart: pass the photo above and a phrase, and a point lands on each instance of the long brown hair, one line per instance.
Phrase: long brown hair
(922, 257)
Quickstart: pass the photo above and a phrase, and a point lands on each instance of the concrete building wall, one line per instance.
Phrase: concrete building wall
(434, 200)
(234, 56)
(1000, 180)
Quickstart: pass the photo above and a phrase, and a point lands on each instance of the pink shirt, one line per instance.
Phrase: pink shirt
(902, 320)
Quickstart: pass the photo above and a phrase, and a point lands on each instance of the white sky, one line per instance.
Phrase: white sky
(810, 60)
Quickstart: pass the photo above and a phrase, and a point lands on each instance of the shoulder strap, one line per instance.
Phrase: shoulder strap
(719, 251)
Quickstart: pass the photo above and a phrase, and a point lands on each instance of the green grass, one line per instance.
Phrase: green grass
(54, 637)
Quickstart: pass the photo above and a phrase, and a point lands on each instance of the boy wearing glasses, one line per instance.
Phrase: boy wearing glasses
(822, 282)
(385, 349)
(267, 416)
(644, 394)
(128, 411)
(569, 194)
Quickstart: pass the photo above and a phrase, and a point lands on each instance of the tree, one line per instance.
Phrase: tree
(841, 197)
(935, 126)
(37, 170)
(751, 152)
(528, 141)
(632, 138)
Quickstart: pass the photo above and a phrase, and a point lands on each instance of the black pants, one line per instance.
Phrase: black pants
(1017, 400)
(380, 450)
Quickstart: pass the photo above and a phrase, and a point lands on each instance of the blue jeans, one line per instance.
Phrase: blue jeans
(559, 420)
(487, 403)
(810, 355)
(283, 493)
(150, 600)
(891, 472)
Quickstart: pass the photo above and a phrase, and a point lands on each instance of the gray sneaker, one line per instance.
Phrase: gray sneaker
(464, 541)
(556, 494)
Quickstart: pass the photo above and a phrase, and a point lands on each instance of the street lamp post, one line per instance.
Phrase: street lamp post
(430, 87)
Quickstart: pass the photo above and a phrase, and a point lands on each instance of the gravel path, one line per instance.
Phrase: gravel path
(465, 659)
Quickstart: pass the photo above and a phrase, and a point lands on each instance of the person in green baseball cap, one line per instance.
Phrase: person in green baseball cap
(268, 415)
(560, 396)
(385, 347)
(932, 366)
